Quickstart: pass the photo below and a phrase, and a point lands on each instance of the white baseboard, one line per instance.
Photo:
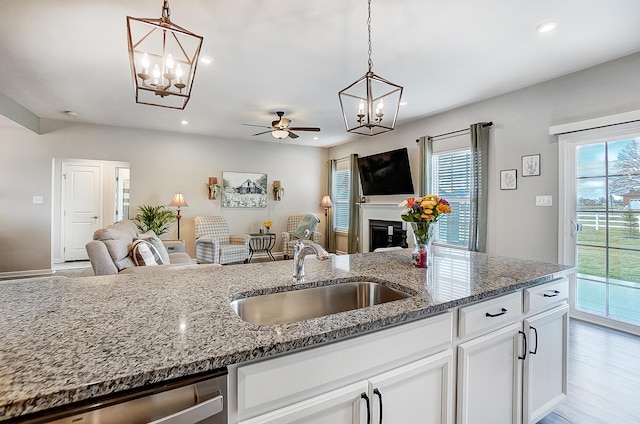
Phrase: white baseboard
(28, 273)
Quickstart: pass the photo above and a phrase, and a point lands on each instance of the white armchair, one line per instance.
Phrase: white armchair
(214, 244)
(289, 237)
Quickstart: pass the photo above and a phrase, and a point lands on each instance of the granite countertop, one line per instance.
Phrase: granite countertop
(67, 340)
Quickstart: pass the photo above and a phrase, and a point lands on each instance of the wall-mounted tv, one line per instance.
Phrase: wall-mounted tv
(386, 173)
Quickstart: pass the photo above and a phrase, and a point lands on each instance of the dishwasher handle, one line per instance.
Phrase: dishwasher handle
(195, 413)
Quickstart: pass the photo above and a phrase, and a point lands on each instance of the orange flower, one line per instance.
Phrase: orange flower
(442, 208)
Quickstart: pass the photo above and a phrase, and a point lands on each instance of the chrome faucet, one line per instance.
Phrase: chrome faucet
(301, 249)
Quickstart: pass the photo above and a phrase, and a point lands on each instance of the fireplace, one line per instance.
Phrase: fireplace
(386, 234)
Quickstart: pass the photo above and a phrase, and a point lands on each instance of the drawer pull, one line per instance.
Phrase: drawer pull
(502, 312)
(555, 293)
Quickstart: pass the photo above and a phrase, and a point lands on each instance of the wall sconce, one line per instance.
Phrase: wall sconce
(278, 191)
(214, 188)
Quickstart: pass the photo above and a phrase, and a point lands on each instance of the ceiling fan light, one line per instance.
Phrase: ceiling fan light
(280, 134)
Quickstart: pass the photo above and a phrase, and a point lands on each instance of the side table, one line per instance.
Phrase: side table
(262, 242)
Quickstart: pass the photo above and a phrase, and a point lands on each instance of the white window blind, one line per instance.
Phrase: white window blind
(342, 185)
(452, 181)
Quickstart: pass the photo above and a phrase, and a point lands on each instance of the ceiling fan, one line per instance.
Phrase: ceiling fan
(280, 128)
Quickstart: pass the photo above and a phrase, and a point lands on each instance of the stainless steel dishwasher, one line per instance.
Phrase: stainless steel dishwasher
(195, 400)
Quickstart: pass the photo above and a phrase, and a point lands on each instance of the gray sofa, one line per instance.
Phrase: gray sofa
(110, 250)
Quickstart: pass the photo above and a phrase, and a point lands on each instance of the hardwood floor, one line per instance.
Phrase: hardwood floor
(604, 377)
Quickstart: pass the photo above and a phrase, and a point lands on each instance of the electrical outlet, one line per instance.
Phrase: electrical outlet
(543, 201)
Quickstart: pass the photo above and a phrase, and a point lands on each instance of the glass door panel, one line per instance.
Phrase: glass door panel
(608, 240)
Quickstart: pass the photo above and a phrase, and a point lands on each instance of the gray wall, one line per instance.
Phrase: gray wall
(521, 120)
(161, 164)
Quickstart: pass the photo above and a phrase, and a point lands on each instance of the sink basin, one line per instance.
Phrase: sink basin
(313, 302)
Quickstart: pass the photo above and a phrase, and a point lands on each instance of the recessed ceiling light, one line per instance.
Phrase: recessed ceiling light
(70, 113)
(206, 60)
(316, 138)
(184, 122)
(403, 103)
(546, 27)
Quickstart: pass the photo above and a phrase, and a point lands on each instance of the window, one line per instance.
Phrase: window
(452, 181)
(342, 185)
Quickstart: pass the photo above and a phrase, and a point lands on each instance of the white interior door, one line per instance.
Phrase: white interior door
(81, 208)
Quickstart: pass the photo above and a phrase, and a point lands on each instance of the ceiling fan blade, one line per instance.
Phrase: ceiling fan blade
(253, 125)
(292, 135)
(263, 132)
(305, 129)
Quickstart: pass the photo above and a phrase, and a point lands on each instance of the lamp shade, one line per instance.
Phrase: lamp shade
(178, 201)
(326, 202)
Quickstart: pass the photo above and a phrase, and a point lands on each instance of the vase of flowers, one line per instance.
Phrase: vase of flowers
(267, 225)
(423, 213)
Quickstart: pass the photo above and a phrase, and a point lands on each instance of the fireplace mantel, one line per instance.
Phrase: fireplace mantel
(376, 211)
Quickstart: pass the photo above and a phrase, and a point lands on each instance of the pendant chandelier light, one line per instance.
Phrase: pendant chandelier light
(163, 60)
(370, 105)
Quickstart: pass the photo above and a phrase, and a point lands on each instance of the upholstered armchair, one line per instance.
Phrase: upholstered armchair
(295, 231)
(214, 244)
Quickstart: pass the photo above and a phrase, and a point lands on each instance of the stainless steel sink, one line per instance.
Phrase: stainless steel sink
(297, 305)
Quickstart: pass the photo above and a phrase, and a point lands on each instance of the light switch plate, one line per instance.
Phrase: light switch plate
(544, 201)
(38, 199)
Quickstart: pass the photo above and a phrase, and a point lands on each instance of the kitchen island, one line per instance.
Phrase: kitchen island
(66, 341)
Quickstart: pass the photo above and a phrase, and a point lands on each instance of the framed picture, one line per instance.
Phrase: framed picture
(508, 179)
(244, 190)
(530, 165)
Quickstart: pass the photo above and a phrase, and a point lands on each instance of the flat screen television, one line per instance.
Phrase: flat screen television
(386, 173)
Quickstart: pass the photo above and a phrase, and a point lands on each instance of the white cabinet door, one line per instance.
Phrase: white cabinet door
(545, 372)
(489, 378)
(341, 406)
(420, 392)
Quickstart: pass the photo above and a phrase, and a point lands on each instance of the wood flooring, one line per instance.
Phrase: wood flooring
(604, 377)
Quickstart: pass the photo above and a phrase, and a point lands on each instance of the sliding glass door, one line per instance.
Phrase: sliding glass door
(603, 189)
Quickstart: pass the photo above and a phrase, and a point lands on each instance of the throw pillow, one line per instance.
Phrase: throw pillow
(309, 222)
(157, 243)
(144, 254)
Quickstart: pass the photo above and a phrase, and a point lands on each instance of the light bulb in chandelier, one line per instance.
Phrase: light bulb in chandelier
(179, 73)
(156, 75)
(145, 62)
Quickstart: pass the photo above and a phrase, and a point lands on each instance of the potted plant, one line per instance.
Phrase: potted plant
(154, 218)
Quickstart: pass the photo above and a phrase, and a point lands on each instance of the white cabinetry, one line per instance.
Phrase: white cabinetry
(421, 392)
(405, 371)
(516, 373)
(417, 392)
(545, 369)
(489, 372)
(508, 362)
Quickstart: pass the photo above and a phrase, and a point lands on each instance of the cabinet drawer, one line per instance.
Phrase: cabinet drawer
(275, 383)
(490, 314)
(546, 295)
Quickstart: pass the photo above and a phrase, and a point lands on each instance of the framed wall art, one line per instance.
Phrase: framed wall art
(530, 165)
(508, 179)
(244, 190)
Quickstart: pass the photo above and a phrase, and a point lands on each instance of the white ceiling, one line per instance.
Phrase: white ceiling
(295, 56)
